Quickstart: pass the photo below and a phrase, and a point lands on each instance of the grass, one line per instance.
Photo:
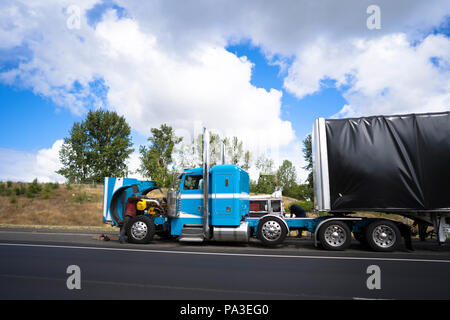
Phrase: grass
(80, 206)
(51, 205)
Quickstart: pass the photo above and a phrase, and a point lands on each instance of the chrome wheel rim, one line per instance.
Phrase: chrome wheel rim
(384, 236)
(139, 230)
(335, 235)
(271, 230)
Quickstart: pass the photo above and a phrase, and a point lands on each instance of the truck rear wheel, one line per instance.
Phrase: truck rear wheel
(383, 235)
(141, 229)
(271, 231)
(335, 235)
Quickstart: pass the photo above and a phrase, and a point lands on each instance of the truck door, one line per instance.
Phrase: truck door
(191, 199)
(223, 199)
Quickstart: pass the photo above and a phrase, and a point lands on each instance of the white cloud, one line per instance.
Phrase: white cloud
(133, 165)
(380, 76)
(281, 27)
(208, 85)
(165, 62)
(147, 82)
(25, 166)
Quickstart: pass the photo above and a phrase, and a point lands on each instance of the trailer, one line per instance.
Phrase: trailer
(213, 204)
(396, 164)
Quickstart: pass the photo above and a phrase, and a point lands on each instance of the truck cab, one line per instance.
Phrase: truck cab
(228, 198)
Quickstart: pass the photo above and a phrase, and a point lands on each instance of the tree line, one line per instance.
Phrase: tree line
(100, 145)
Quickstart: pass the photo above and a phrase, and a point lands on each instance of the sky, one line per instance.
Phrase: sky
(261, 70)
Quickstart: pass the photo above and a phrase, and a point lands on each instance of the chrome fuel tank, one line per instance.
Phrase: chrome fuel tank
(239, 234)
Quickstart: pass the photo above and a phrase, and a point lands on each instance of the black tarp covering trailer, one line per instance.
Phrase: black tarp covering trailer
(395, 164)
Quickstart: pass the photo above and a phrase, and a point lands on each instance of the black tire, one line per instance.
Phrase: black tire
(271, 231)
(335, 235)
(383, 236)
(141, 229)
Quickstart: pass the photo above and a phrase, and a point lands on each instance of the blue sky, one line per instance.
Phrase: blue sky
(31, 122)
(160, 62)
(301, 112)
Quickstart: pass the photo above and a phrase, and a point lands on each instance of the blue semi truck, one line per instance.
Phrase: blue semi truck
(213, 204)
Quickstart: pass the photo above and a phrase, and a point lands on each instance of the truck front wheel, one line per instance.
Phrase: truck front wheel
(335, 235)
(383, 235)
(271, 231)
(141, 229)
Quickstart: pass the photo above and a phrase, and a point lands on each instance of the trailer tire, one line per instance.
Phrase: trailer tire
(141, 229)
(335, 235)
(383, 235)
(271, 231)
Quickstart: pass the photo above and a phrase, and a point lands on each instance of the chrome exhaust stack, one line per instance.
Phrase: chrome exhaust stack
(206, 230)
(223, 152)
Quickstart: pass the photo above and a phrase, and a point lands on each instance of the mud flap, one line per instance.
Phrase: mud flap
(405, 231)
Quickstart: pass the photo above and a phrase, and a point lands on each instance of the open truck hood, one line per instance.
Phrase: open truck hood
(116, 191)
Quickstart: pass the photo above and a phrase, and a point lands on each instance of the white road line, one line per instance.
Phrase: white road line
(57, 233)
(224, 254)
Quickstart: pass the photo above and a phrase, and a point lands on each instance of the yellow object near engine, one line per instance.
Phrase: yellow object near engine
(151, 211)
(141, 205)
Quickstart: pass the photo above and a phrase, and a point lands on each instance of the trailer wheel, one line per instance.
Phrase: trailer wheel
(383, 235)
(271, 231)
(335, 235)
(141, 229)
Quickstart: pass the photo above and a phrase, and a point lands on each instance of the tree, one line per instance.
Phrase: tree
(156, 158)
(266, 183)
(185, 155)
(97, 147)
(247, 160)
(264, 164)
(307, 154)
(215, 149)
(286, 178)
(191, 154)
(267, 178)
(234, 150)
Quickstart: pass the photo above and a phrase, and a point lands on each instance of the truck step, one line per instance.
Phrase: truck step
(192, 233)
(191, 238)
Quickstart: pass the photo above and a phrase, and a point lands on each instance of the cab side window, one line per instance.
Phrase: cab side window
(193, 182)
(276, 205)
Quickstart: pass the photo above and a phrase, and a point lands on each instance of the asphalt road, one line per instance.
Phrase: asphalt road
(34, 266)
